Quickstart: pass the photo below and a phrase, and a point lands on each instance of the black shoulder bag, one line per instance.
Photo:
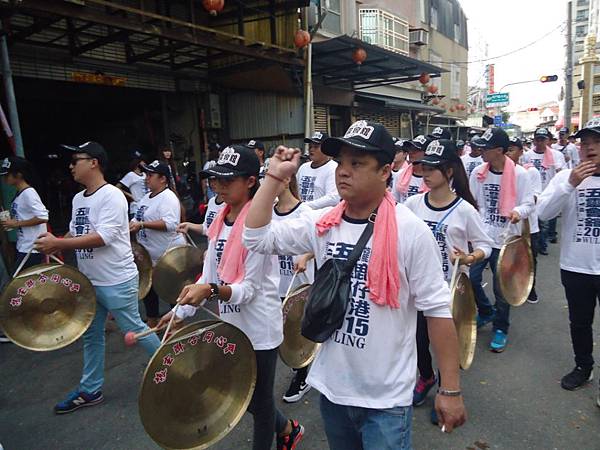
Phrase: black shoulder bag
(330, 293)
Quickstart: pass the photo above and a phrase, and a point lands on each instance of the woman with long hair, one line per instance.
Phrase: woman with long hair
(246, 285)
(450, 211)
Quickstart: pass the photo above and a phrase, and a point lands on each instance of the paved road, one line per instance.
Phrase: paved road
(514, 399)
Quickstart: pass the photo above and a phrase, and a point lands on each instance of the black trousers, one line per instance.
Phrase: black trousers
(423, 354)
(582, 291)
(267, 418)
(535, 246)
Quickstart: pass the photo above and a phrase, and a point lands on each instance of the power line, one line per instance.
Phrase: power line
(562, 24)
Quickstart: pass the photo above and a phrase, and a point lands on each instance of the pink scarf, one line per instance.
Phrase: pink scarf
(548, 160)
(231, 268)
(383, 274)
(528, 166)
(508, 185)
(404, 181)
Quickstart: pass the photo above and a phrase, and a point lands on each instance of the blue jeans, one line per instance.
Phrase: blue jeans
(355, 428)
(484, 306)
(122, 302)
(547, 232)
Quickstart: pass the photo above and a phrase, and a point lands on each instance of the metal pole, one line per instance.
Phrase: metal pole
(308, 95)
(569, 71)
(10, 97)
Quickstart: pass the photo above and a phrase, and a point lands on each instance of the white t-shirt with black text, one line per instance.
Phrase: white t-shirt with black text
(414, 187)
(136, 183)
(371, 360)
(286, 262)
(254, 307)
(547, 173)
(212, 209)
(580, 215)
(104, 212)
(460, 225)
(162, 206)
(470, 163)
(317, 186)
(536, 188)
(569, 150)
(28, 205)
(487, 196)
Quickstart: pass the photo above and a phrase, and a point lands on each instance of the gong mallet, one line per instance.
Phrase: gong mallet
(131, 338)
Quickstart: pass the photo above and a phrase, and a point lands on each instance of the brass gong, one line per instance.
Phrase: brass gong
(47, 307)
(464, 312)
(144, 265)
(515, 267)
(296, 351)
(178, 267)
(197, 385)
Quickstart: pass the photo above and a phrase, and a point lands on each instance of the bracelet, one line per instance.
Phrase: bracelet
(449, 393)
(281, 180)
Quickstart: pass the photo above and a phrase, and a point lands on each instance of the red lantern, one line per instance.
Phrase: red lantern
(359, 55)
(424, 78)
(452, 109)
(213, 6)
(432, 89)
(435, 101)
(302, 38)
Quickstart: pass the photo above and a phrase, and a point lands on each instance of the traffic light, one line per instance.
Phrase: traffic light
(548, 78)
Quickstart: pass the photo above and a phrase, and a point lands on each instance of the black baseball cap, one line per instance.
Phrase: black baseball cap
(15, 164)
(214, 147)
(473, 133)
(439, 152)
(542, 133)
(440, 133)
(563, 130)
(477, 142)
(494, 138)
(460, 143)
(234, 161)
(317, 138)
(362, 135)
(136, 154)
(93, 149)
(592, 126)
(420, 143)
(253, 143)
(157, 167)
(516, 142)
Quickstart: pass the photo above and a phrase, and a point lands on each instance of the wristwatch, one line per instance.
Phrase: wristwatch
(214, 291)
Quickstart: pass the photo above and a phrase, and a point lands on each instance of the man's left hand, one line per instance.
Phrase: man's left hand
(451, 412)
(48, 244)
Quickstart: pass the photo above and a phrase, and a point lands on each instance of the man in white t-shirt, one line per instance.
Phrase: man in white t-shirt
(488, 184)
(366, 370)
(568, 149)
(133, 184)
(473, 158)
(549, 162)
(316, 178)
(575, 194)
(99, 235)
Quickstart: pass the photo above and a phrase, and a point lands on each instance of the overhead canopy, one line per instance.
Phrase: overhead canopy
(332, 60)
(396, 103)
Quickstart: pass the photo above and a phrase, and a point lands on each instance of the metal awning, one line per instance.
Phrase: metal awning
(396, 103)
(332, 60)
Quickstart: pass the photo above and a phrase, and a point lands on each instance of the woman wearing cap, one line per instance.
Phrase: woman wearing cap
(28, 215)
(155, 223)
(450, 211)
(409, 180)
(133, 184)
(246, 285)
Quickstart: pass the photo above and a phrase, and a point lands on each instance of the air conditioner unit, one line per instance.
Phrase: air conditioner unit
(418, 36)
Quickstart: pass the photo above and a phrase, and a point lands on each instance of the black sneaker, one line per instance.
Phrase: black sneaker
(77, 400)
(290, 441)
(576, 378)
(297, 389)
(533, 299)
(554, 241)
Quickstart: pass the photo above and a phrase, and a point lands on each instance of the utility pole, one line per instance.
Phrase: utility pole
(569, 71)
(10, 96)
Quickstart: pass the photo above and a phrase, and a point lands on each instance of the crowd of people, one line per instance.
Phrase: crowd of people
(404, 212)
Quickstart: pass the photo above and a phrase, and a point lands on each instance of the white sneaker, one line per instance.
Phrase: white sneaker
(4, 340)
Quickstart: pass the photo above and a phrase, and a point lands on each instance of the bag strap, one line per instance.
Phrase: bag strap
(439, 225)
(362, 242)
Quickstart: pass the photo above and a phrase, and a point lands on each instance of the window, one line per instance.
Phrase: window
(583, 2)
(434, 17)
(580, 31)
(455, 77)
(582, 15)
(333, 19)
(386, 30)
(457, 32)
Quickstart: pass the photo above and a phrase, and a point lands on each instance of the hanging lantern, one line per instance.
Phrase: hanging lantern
(213, 6)
(443, 105)
(452, 109)
(424, 78)
(302, 38)
(432, 89)
(359, 55)
(435, 101)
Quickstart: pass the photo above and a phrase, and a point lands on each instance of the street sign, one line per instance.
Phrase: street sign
(497, 100)
(498, 121)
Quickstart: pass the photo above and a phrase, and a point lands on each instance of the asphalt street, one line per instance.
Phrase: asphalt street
(514, 399)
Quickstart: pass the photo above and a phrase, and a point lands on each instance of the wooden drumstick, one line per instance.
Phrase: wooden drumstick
(131, 338)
